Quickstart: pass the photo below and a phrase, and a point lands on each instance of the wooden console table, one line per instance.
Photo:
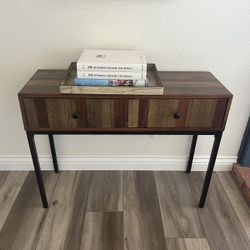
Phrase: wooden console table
(194, 103)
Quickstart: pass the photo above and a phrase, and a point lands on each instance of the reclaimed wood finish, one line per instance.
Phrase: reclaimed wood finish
(133, 113)
(177, 84)
(201, 113)
(159, 113)
(115, 113)
(136, 224)
(60, 113)
(31, 113)
(201, 100)
(74, 113)
(104, 113)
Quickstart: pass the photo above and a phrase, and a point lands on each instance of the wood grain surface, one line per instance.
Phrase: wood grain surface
(53, 114)
(63, 225)
(143, 229)
(23, 224)
(201, 113)
(10, 183)
(177, 84)
(237, 200)
(180, 214)
(133, 113)
(218, 219)
(105, 192)
(187, 244)
(103, 231)
(122, 210)
(200, 100)
(161, 111)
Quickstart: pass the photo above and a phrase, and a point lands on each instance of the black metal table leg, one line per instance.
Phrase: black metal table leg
(37, 168)
(53, 152)
(216, 144)
(191, 154)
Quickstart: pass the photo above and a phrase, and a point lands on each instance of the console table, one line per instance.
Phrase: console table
(194, 103)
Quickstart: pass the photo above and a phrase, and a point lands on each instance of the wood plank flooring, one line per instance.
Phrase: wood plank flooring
(107, 210)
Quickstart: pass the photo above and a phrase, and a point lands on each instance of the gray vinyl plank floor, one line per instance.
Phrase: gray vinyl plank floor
(115, 210)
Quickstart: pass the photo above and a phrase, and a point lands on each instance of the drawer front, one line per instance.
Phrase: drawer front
(172, 114)
(74, 113)
(176, 113)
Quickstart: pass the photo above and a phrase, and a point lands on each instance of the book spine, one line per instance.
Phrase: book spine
(136, 83)
(111, 67)
(112, 75)
(108, 82)
(91, 82)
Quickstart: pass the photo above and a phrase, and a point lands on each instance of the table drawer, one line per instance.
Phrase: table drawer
(176, 113)
(74, 113)
(101, 113)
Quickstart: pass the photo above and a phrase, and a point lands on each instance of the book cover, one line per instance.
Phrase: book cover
(112, 60)
(112, 75)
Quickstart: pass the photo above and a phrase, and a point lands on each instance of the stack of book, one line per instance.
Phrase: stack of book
(111, 68)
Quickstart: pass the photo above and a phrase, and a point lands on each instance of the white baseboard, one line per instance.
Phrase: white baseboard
(115, 162)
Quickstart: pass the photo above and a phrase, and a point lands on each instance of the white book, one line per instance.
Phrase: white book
(112, 60)
(112, 75)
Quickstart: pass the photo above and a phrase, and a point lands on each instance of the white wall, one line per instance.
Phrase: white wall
(208, 35)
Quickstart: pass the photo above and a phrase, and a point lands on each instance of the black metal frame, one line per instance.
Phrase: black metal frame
(213, 155)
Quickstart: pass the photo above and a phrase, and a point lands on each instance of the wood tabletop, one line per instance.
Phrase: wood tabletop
(176, 83)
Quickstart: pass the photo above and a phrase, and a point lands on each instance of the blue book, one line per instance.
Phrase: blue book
(91, 82)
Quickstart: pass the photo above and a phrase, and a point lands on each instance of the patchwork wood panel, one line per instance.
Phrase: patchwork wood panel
(201, 113)
(106, 113)
(133, 113)
(182, 109)
(120, 112)
(220, 113)
(100, 113)
(81, 110)
(181, 86)
(60, 113)
(194, 113)
(92, 113)
(124, 113)
(161, 112)
(31, 114)
(143, 113)
(41, 111)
